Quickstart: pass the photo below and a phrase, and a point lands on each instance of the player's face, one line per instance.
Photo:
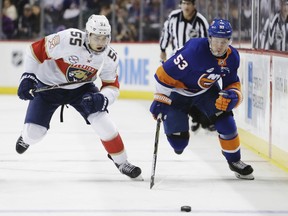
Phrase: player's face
(188, 8)
(98, 42)
(219, 46)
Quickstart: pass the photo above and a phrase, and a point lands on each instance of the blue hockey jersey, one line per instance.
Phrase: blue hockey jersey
(192, 70)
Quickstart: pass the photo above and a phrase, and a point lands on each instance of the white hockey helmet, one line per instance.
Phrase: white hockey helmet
(98, 32)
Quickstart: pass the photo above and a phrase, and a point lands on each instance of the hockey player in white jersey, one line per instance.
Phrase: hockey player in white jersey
(74, 56)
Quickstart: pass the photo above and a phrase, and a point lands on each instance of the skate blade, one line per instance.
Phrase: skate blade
(245, 177)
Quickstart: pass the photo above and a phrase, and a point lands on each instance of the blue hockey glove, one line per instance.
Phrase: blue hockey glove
(160, 105)
(94, 102)
(228, 99)
(28, 83)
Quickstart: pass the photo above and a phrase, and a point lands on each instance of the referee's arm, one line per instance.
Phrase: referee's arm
(203, 25)
(164, 40)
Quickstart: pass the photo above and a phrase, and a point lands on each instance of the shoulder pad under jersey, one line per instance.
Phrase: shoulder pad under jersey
(64, 42)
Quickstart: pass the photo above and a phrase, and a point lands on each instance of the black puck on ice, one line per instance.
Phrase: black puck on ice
(186, 208)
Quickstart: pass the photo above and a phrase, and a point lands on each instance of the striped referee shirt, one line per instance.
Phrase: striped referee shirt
(278, 34)
(178, 30)
(264, 36)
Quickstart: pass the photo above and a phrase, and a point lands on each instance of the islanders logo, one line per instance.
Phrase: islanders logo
(207, 80)
(80, 73)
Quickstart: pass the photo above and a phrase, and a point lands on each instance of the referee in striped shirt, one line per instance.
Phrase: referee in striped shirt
(279, 29)
(181, 25)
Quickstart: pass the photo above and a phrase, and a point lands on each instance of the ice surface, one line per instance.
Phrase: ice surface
(69, 174)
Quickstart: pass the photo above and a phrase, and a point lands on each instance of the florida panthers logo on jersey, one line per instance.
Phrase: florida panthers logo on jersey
(207, 80)
(80, 73)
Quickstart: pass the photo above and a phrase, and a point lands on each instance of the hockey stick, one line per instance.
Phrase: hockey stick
(155, 151)
(57, 86)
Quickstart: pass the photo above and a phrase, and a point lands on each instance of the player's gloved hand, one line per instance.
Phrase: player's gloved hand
(28, 83)
(161, 105)
(228, 99)
(94, 102)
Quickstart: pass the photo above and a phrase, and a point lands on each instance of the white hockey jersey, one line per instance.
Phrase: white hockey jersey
(64, 57)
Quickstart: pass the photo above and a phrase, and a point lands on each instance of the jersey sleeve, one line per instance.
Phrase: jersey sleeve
(165, 35)
(231, 80)
(30, 62)
(109, 76)
(35, 55)
(171, 74)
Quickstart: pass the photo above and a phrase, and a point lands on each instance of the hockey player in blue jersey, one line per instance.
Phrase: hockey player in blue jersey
(190, 78)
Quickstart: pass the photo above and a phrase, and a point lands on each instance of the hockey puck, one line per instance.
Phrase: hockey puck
(186, 208)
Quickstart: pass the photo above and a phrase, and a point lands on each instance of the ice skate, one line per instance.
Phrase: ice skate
(195, 126)
(241, 170)
(129, 169)
(211, 128)
(179, 152)
(21, 146)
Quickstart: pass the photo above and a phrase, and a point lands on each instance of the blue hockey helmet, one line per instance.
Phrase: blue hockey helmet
(220, 28)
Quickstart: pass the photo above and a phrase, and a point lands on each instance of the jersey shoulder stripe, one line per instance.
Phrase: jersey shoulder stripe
(39, 51)
(167, 80)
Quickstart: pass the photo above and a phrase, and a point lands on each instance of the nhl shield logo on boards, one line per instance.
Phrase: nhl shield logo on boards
(17, 58)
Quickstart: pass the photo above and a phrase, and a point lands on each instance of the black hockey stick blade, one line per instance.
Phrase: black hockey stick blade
(155, 152)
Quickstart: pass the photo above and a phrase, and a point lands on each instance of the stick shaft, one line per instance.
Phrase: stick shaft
(57, 86)
(155, 152)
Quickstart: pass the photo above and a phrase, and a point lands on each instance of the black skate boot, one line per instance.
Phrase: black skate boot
(211, 128)
(195, 126)
(241, 170)
(21, 146)
(179, 152)
(128, 169)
